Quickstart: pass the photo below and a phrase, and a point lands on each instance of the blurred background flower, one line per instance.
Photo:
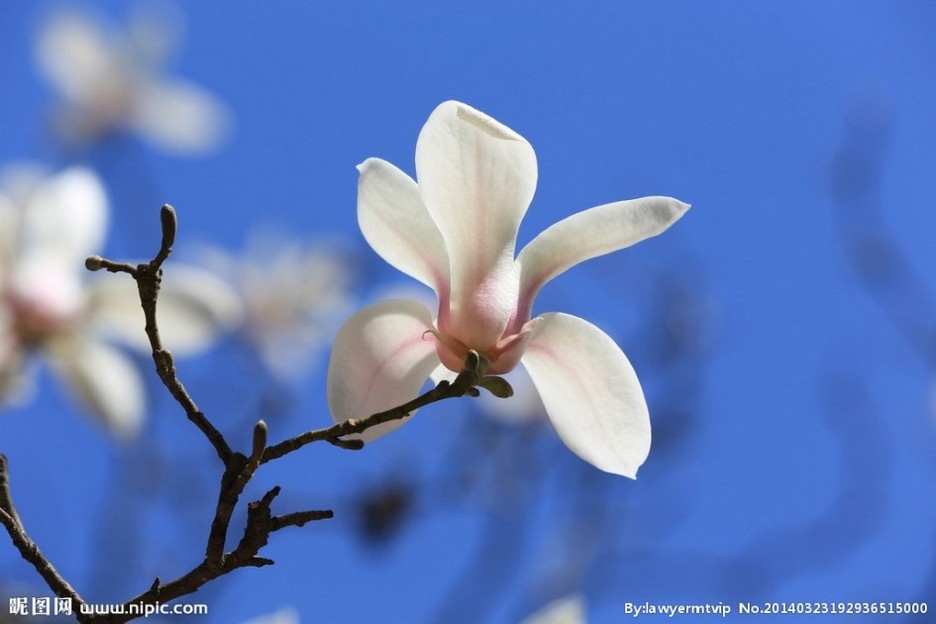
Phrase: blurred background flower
(51, 307)
(567, 610)
(293, 294)
(286, 615)
(113, 79)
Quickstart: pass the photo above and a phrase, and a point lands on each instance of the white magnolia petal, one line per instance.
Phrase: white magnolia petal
(49, 290)
(285, 615)
(442, 373)
(102, 378)
(194, 306)
(181, 117)
(155, 30)
(568, 610)
(592, 233)
(77, 56)
(524, 406)
(9, 226)
(476, 178)
(380, 359)
(395, 222)
(16, 376)
(65, 217)
(591, 393)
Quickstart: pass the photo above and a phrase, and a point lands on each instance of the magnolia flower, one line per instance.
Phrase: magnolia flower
(51, 307)
(293, 295)
(455, 231)
(114, 80)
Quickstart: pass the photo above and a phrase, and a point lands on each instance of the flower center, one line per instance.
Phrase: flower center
(502, 357)
(34, 318)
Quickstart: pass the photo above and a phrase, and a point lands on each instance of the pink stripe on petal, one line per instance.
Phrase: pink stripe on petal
(476, 179)
(591, 393)
(380, 360)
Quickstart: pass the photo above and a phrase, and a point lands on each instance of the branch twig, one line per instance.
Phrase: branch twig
(28, 548)
(465, 383)
(239, 469)
(148, 276)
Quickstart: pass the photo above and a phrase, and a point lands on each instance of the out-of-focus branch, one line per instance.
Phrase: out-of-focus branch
(879, 260)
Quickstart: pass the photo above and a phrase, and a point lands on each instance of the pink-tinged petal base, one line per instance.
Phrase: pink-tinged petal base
(476, 179)
(591, 393)
(501, 358)
(380, 359)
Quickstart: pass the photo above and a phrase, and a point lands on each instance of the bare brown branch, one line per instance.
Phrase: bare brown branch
(28, 548)
(239, 469)
(148, 276)
(470, 376)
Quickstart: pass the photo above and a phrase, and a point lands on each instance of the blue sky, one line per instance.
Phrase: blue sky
(794, 423)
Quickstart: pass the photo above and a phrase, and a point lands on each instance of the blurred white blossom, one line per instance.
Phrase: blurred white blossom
(525, 406)
(567, 610)
(294, 294)
(286, 615)
(116, 80)
(53, 310)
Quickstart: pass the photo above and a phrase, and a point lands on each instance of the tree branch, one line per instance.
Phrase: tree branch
(239, 469)
(466, 382)
(148, 276)
(28, 548)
